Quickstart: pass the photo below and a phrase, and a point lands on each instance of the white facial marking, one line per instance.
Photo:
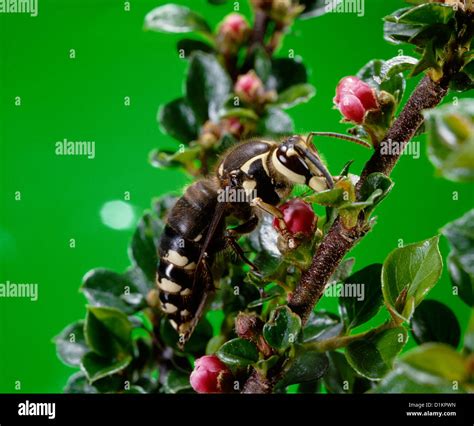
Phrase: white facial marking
(185, 313)
(168, 286)
(221, 169)
(174, 324)
(175, 258)
(169, 308)
(198, 238)
(186, 292)
(291, 175)
(249, 186)
(246, 166)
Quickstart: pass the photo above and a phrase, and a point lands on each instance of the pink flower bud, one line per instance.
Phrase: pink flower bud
(233, 32)
(210, 375)
(352, 109)
(298, 216)
(354, 98)
(249, 87)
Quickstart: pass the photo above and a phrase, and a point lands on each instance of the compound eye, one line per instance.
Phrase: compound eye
(290, 159)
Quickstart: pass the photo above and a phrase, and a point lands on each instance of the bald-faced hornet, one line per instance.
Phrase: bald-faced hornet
(265, 171)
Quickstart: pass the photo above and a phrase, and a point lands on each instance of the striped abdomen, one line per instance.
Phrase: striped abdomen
(179, 251)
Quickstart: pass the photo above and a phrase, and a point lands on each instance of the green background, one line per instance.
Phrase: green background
(83, 99)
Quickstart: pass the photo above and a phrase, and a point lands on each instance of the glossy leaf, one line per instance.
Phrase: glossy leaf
(451, 140)
(144, 247)
(372, 75)
(106, 288)
(406, 379)
(262, 64)
(172, 18)
(373, 357)
(322, 325)
(207, 86)
(238, 353)
(71, 345)
(196, 344)
(306, 366)
(439, 360)
(178, 121)
(435, 322)
(283, 328)
(428, 13)
(78, 383)
(285, 73)
(354, 311)
(295, 95)
(97, 367)
(107, 331)
(408, 274)
(343, 271)
(340, 377)
(375, 188)
(397, 65)
(460, 234)
(275, 122)
(177, 382)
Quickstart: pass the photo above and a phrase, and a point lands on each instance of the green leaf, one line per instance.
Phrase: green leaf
(207, 86)
(322, 325)
(428, 13)
(295, 95)
(107, 288)
(78, 383)
(306, 366)
(144, 246)
(187, 46)
(172, 18)
(71, 345)
(439, 360)
(406, 379)
(340, 377)
(286, 72)
(262, 64)
(451, 140)
(397, 65)
(460, 234)
(372, 75)
(283, 328)
(244, 113)
(238, 353)
(177, 382)
(373, 357)
(375, 188)
(408, 274)
(107, 331)
(180, 158)
(275, 122)
(315, 8)
(97, 367)
(354, 311)
(435, 322)
(329, 198)
(395, 32)
(178, 121)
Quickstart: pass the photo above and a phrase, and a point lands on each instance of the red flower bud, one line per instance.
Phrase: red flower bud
(298, 216)
(210, 375)
(354, 98)
(249, 87)
(233, 32)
